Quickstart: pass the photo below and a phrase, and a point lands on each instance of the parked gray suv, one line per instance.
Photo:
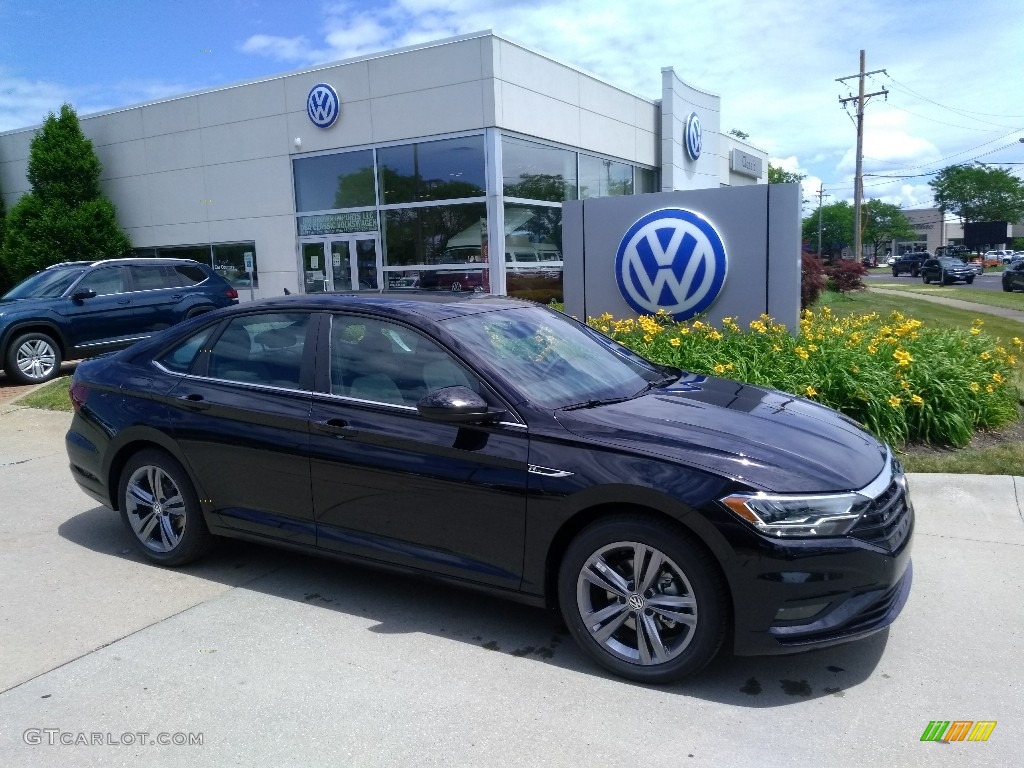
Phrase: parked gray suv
(80, 309)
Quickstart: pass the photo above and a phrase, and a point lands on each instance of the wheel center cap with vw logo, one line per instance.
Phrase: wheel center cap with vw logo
(671, 260)
(636, 602)
(323, 105)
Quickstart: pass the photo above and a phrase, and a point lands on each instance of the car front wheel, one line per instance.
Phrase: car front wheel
(160, 509)
(33, 358)
(642, 600)
(969, 280)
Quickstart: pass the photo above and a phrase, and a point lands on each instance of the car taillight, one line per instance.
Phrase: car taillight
(78, 393)
(231, 293)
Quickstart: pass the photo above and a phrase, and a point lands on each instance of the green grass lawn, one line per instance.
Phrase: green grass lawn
(51, 397)
(959, 292)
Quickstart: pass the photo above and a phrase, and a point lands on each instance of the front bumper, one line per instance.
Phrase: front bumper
(799, 594)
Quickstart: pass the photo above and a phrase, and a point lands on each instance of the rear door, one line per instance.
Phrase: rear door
(242, 419)
(158, 296)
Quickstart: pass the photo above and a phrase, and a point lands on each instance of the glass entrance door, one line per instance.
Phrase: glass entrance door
(342, 263)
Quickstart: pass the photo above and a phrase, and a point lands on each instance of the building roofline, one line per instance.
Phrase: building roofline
(338, 62)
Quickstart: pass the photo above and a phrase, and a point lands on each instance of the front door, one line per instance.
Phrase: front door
(342, 263)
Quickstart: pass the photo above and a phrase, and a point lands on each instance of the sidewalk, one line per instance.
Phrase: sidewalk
(970, 306)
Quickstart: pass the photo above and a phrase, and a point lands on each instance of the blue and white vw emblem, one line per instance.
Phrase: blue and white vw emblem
(672, 260)
(323, 105)
(694, 136)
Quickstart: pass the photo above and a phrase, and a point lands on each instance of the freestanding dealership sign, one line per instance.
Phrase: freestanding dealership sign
(729, 252)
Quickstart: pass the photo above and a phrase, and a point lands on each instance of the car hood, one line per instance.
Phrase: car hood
(769, 440)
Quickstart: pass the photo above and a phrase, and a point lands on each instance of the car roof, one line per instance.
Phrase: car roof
(125, 260)
(435, 306)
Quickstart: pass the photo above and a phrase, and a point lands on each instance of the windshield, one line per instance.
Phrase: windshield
(949, 261)
(552, 360)
(48, 284)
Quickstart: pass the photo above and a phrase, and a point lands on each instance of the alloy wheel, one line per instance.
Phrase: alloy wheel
(36, 359)
(637, 603)
(155, 508)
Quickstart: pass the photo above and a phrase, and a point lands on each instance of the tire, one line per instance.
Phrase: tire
(33, 358)
(1007, 288)
(895, 273)
(969, 280)
(595, 579)
(926, 279)
(176, 534)
(914, 273)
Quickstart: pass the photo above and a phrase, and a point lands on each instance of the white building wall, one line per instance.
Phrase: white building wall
(678, 170)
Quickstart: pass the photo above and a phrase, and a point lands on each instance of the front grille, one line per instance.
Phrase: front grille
(887, 522)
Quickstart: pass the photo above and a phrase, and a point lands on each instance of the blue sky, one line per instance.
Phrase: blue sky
(954, 69)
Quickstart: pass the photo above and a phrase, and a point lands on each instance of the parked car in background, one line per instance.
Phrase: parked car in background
(499, 444)
(80, 309)
(946, 270)
(890, 261)
(1013, 276)
(909, 263)
(977, 267)
(1000, 257)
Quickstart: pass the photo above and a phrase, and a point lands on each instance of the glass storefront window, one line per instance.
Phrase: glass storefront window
(533, 252)
(432, 170)
(229, 263)
(200, 253)
(450, 235)
(328, 182)
(604, 178)
(537, 172)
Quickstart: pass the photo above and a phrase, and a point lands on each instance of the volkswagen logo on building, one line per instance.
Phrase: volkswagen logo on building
(694, 136)
(323, 105)
(671, 260)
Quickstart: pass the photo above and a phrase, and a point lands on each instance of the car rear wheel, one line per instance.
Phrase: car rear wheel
(895, 273)
(33, 358)
(925, 278)
(969, 280)
(160, 509)
(642, 600)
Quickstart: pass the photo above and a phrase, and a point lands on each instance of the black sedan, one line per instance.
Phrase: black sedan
(1013, 276)
(946, 270)
(500, 444)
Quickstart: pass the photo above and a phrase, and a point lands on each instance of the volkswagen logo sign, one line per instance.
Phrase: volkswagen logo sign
(323, 105)
(671, 260)
(694, 136)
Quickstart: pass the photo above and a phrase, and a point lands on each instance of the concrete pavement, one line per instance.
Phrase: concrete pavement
(273, 658)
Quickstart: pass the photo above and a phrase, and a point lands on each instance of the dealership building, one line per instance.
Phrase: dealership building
(443, 165)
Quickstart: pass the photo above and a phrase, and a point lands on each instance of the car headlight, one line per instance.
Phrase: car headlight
(785, 515)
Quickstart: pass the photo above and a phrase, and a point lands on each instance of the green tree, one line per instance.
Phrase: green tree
(836, 227)
(5, 281)
(777, 175)
(65, 216)
(883, 223)
(979, 193)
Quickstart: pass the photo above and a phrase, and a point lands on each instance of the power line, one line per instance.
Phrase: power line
(951, 125)
(963, 112)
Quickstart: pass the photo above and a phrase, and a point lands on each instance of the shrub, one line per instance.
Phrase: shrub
(845, 276)
(812, 280)
(902, 381)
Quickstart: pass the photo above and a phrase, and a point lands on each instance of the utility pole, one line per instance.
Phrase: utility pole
(858, 181)
(821, 202)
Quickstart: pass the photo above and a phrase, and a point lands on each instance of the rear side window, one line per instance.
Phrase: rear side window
(189, 275)
(261, 349)
(152, 277)
(180, 358)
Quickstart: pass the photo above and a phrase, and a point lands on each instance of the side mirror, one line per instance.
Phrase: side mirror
(456, 404)
(82, 295)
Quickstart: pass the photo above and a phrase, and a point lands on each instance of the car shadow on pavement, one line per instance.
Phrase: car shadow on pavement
(403, 604)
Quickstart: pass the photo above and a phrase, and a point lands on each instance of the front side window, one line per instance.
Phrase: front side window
(261, 349)
(180, 358)
(104, 281)
(553, 361)
(384, 362)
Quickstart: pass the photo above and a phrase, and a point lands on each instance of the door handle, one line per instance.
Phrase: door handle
(122, 302)
(177, 296)
(194, 401)
(337, 427)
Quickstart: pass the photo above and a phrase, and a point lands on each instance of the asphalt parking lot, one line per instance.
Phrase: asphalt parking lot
(278, 659)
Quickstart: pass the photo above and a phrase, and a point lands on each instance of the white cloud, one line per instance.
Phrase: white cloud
(288, 49)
